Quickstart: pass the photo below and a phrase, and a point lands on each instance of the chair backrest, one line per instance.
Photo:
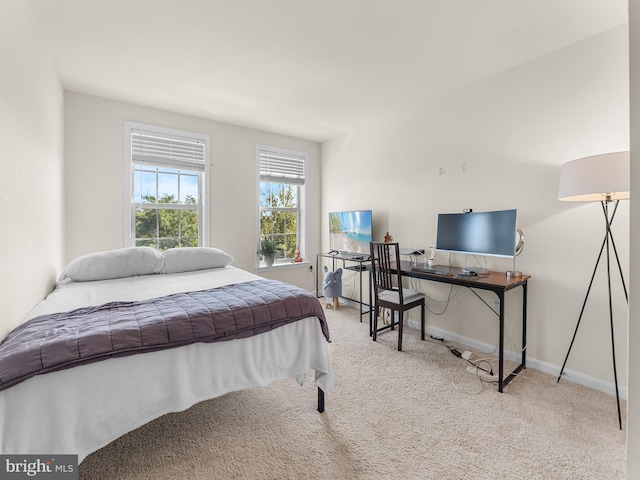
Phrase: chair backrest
(385, 257)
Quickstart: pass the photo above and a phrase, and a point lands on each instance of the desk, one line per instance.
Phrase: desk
(359, 263)
(496, 282)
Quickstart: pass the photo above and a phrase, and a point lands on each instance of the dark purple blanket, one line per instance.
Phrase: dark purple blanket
(62, 340)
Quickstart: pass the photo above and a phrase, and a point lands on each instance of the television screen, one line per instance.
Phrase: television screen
(350, 232)
(481, 233)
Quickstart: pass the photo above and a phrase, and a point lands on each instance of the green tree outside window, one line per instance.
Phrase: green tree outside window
(164, 228)
(279, 215)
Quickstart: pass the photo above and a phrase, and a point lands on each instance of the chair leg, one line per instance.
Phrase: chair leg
(375, 324)
(422, 321)
(400, 322)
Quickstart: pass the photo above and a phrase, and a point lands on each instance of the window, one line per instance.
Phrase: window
(166, 187)
(282, 200)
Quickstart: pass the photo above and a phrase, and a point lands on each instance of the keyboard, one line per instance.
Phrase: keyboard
(427, 269)
(357, 256)
(365, 257)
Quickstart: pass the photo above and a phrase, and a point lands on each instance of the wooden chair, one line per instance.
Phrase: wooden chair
(388, 290)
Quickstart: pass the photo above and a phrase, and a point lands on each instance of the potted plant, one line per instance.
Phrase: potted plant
(269, 249)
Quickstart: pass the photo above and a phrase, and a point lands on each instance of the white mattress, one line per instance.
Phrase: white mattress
(82, 409)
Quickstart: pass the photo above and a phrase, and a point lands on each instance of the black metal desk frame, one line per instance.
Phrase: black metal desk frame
(500, 287)
(361, 264)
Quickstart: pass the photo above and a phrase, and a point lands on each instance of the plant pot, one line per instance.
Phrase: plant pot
(269, 259)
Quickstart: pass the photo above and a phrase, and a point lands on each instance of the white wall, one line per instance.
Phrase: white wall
(94, 146)
(31, 183)
(500, 143)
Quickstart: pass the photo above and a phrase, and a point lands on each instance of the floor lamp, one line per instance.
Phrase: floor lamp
(605, 179)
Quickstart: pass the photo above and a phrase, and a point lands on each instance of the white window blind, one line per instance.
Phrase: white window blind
(173, 151)
(281, 168)
(166, 187)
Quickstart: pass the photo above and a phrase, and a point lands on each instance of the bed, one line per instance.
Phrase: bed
(80, 407)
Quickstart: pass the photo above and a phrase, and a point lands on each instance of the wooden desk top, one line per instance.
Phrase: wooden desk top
(490, 281)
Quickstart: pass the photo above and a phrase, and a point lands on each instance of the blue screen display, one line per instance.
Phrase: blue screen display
(350, 231)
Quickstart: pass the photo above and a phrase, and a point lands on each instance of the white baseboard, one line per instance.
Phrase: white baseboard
(554, 370)
(571, 375)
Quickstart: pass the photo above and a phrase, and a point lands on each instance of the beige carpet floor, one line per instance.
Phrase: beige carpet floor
(415, 414)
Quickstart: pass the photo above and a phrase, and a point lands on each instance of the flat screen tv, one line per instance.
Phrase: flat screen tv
(479, 233)
(350, 232)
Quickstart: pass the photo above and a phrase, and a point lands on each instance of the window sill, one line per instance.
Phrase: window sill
(283, 266)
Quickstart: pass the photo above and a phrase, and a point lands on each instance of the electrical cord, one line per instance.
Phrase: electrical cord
(456, 352)
(481, 364)
(476, 364)
(416, 284)
(452, 293)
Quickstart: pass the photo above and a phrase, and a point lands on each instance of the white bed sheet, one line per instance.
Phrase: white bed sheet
(82, 409)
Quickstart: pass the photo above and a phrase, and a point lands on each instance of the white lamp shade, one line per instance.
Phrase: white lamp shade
(595, 178)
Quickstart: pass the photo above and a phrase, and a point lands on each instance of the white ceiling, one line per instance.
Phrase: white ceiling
(308, 68)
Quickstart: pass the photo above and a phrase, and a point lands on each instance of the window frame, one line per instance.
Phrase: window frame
(203, 180)
(302, 203)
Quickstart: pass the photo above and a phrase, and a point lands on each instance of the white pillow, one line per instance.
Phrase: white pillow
(124, 262)
(186, 259)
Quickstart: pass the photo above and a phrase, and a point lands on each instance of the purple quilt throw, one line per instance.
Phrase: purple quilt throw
(63, 340)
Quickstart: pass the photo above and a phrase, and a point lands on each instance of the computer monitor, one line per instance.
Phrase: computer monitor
(479, 233)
